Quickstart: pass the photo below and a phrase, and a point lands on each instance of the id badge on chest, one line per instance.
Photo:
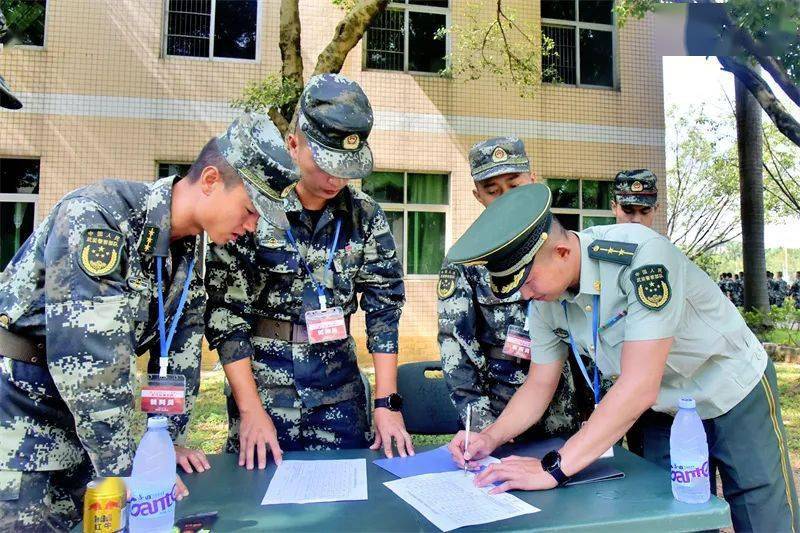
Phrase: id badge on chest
(164, 395)
(325, 325)
(518, 343)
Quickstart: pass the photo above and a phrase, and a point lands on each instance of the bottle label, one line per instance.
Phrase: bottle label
(688, 474)
(152, 503)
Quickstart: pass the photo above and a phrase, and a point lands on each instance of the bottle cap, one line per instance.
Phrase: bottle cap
(156, 422)
(684, 403)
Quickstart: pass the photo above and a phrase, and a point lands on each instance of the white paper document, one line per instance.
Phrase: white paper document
(318, 481)
(464, 504)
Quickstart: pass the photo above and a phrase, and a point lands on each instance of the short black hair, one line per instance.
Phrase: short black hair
(211, 156)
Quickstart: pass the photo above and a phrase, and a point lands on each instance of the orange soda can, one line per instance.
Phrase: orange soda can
(105, 507)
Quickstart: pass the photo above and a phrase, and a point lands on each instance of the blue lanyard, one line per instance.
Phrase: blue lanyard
(323, 302)
(529, 323)
(166, 342)
(593, 383)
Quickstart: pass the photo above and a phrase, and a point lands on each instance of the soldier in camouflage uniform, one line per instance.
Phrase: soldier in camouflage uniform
(794, 290)
(772, 288)
(78, 303)
(635, 197)
(737, 291)
(473, 322)
(7, 98)
(782, 289)
(286, 393)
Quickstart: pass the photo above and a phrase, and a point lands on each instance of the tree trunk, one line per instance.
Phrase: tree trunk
(751, 184)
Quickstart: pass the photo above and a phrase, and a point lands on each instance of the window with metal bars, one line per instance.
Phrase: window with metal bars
(580, 204)
(405, 37)
(416, 207)
(226, 29)
(25, 20)
(582, 32)
(19, 195)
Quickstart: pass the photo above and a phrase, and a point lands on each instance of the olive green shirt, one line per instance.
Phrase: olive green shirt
(714, 358)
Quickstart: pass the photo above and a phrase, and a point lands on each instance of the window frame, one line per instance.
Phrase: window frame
(212, 33)
(580, 210)
(405, 207)
(406, 8)
(34, 47)
(24, 197)
(160, 162)
(577, 26)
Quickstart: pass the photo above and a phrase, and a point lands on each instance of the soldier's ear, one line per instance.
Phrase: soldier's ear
(209, 179)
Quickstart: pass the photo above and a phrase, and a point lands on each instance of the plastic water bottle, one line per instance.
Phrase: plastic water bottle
(688, 449)
(152, 482)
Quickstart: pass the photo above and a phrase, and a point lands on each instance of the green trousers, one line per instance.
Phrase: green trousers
(748, 446)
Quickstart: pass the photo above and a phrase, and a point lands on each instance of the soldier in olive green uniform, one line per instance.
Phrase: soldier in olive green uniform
(653, 320)
(479, 368)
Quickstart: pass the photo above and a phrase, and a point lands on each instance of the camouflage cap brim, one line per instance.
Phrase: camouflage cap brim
(7, 98)
(267, 207)
(345, 164)
(506, 167)
(648, 200)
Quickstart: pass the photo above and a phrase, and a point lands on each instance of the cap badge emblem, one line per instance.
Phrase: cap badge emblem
(499, 155)
(350, 142)
(637, 186)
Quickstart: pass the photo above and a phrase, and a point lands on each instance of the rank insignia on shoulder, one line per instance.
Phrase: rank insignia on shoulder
(100, 251)
(149, 239)
(613, 251)
(651, 284)
(447, 282)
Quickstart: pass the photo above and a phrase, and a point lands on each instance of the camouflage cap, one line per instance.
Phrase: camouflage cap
(336, 119)
(500, 155)
(636, 187)
(7, 98)
(254, 147)
(505, 243)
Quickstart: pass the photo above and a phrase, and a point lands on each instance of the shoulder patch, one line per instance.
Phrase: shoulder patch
(561, 333)
(651, 284)
(149, 239)
(100, 251)
(613, 251)
(447, 282)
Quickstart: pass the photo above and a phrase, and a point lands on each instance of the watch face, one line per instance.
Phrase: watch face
(550, 460)
(395, 402)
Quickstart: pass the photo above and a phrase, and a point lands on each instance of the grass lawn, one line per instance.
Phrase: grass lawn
(209, 424)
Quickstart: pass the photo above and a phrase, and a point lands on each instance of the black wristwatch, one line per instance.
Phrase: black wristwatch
(393, 402)
(551, 463)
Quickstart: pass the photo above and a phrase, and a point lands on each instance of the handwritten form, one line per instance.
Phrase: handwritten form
(464, 504)
(318, 481)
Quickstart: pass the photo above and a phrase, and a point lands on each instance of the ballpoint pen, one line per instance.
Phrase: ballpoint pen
(466, 439)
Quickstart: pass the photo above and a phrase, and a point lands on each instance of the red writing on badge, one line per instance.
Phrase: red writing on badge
(163, 400)
(517, 345)
(326, 325)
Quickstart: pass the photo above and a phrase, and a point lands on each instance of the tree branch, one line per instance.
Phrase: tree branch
(783, 120)
(348, 32)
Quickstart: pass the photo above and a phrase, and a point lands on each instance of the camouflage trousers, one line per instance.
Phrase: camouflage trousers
(339, 425)
(43, 501)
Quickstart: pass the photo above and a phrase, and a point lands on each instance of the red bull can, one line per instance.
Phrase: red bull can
(105, 507)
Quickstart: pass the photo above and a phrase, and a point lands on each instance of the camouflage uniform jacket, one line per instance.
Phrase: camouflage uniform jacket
(262, 276)
(472, 322)
(95, 319)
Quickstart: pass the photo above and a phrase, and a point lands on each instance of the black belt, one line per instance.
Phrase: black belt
(286, 331)
(496, 352)
(24, 349)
